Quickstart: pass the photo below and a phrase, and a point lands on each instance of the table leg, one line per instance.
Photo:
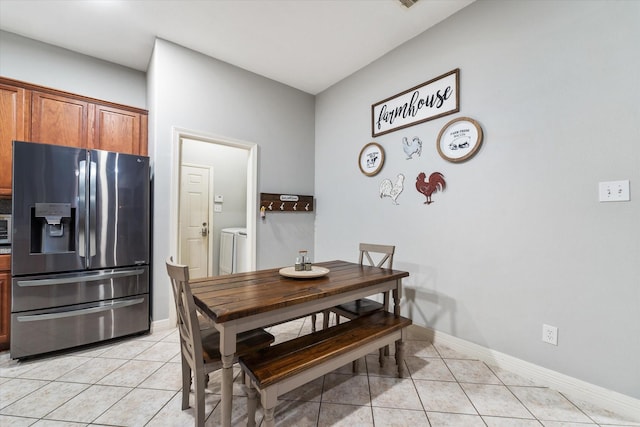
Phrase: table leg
(227, 390)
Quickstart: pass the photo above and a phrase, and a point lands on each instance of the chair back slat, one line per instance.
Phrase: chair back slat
(188, 325)
(386, 251)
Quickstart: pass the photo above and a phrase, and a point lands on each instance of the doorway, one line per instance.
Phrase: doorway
(232, 201)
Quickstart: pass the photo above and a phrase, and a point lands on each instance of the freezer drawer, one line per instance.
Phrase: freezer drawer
(43, 331)
(55, 290)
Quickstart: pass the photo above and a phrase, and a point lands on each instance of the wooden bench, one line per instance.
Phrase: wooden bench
(276, 370)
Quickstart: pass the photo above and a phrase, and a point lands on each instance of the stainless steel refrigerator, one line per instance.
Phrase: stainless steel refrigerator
(80, 250)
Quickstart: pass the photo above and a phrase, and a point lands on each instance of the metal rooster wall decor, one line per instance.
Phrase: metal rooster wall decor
(413, 147)
(428, 188)
(391, 190)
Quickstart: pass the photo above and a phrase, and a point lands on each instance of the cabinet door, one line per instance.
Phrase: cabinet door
(13, 119)
(5, 309)
(116, 130)
(59, 120)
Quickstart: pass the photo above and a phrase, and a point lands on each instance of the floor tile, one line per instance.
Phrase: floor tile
(547, 404)
(495, 400)
(89, 404)
(167, 377)
(511, 422)
(137, 381)
(419, 349)
(14, 368)
(11, 421)
(604, 416)
(127, 349)
(16, 389)
(131, 373)
(54, 368)
(160, 352)
(428, 369)
(440, 396)
(93, 371)
(442, 419)
(172, 414)
(509, 378)
(471, 371)
(346, 389)
(390, 368)
(449, 353)
(44, 400)
(394, 393)
(567, 424)
(391, 417)
(49, 423)
(296, 414)
(238, 414)
(336, 415)
(136, 408)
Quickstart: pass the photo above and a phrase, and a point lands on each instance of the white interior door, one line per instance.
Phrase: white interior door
(194, 219)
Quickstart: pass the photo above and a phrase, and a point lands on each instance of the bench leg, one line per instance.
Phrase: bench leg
(325, 319)
(252, 403)
(313, 322)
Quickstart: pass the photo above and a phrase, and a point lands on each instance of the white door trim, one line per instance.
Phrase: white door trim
(174, 197)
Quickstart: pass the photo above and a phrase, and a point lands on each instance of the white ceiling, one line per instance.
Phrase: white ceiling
(306, 44)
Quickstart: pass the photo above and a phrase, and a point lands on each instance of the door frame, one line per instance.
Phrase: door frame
(209, 210)
(174, 197)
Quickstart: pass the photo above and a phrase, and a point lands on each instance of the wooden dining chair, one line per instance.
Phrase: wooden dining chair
(200, 349)
(359, 307)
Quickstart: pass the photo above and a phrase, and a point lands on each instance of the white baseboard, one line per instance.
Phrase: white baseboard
(575, 388)
(161, 325)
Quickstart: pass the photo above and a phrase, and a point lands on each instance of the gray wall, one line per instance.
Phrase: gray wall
(51, 66)
(518, 238)
(192, 91)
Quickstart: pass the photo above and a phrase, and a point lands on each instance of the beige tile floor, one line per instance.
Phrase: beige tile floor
(136, 382)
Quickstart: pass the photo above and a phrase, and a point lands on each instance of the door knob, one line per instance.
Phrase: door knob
(204, 231)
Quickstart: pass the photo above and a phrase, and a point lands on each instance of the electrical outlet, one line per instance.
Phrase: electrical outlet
(614, 191)
(550, 334)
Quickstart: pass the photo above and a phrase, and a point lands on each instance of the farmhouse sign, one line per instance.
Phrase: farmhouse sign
(436, 98)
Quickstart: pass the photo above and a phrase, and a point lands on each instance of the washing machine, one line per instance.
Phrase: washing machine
(234, 251)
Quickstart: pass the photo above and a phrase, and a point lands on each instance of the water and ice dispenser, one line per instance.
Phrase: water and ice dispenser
(52, 228)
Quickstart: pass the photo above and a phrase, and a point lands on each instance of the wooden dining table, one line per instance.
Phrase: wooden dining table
(244, 301)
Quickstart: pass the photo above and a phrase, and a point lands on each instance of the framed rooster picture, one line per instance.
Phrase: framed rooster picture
(371, 159)
(460, 139)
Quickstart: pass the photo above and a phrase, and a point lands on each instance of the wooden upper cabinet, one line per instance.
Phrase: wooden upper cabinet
(118, 130)
(59, 120)
(14, 106)
(38, 114)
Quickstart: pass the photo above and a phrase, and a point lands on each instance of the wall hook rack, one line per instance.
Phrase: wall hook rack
(276, 202)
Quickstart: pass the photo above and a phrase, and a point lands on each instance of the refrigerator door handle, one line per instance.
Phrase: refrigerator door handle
(82, 209)
(81, 312)
(92, 210)
(83, 278)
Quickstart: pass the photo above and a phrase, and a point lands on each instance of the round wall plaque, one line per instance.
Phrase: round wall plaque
(460, 139)
(371, 159)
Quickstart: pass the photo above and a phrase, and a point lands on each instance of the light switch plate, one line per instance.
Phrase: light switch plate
(614, 191)
(217, 208)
